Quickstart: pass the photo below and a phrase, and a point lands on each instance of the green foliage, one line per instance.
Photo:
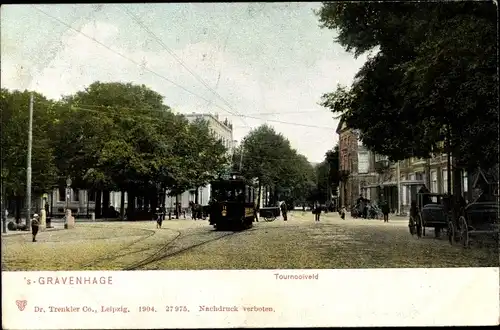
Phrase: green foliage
(111, 136)
(269, 157)
(14, 107)
(434, 77)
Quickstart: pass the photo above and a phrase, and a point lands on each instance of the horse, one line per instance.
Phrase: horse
(197, 210)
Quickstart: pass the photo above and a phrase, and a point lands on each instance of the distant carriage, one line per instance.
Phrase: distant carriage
(431, 211)
(269, 213)
(232, 206)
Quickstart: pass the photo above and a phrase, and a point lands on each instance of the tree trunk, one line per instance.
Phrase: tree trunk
(196, 193)
(177, 208)
(154, 201)
(105, 203)
(89, 193)
(428, 173)
(130, 205)
(18, 209)
(122, 204)
(259, 195)
(98, 206)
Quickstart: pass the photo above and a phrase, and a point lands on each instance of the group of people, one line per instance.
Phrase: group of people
(366, 209)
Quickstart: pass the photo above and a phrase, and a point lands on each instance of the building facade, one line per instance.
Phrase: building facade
(376, 178)
(348, 158)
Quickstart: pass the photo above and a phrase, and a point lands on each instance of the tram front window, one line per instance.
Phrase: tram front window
(228, 194)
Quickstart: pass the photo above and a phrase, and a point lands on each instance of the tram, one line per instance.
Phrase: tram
(232, 205)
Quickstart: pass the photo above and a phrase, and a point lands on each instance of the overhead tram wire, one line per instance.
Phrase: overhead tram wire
(169, 80)
(165, 78)
(181, 62)
(127, 58)
(245, 116)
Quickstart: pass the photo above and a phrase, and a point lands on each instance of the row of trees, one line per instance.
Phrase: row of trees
(108, 137)
(279, 169)
(431, 85)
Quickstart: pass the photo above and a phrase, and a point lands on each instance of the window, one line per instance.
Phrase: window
(76, 194)
(465, 182)
(405, 190)
(445, 181)
(434, 182)
(62, 194)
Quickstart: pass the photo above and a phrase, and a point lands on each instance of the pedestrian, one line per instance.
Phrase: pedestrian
(415, 219)
(159, 219)
(343, 212)
(35, 223)
(385, 210)
(284, 211)
(317, 211)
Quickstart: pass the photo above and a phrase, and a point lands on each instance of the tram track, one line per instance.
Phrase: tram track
(115, 256)
(164, 252)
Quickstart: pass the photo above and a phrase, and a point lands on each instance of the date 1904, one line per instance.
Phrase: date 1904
(152, 309)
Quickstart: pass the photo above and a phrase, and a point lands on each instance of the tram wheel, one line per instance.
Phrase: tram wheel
(464, 232)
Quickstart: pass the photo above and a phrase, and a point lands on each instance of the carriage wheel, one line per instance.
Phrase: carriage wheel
(464, 232)
(411, 226)
(270, 219)
(451, 232)
(437, 232)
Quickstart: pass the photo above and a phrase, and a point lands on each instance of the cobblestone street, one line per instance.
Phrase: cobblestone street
(188, 244)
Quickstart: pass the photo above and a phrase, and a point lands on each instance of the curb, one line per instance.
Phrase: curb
(29, 232)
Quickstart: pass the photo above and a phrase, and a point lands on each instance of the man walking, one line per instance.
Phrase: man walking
(35, 223)
(284, 210)
(385, 210)
(317, 211)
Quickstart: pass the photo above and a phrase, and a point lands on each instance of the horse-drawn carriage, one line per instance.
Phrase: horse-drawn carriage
(430, 211)
(437, 211)
(478, 218)
(232, 206)
(269, 213)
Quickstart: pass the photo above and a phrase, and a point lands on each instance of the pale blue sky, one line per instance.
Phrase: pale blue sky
(260, 57)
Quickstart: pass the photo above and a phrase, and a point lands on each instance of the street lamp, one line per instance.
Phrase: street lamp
(68, 192)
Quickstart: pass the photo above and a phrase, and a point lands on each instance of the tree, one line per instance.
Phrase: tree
(14, 127)
(269, 157)
(203, 156)
(430, 81)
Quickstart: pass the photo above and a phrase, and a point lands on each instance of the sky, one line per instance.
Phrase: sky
(269, 62)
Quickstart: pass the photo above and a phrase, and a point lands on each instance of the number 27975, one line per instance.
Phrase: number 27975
(176, 309)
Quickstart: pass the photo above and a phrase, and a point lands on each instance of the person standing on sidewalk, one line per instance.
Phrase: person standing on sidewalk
(35, 224)
(385, 210)
(317, 211)
(284, 210)
(343, 212)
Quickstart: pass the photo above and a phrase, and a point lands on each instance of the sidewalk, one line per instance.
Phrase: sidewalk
(55, 226)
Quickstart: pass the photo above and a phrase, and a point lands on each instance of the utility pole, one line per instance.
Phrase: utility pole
(2, 200)
(28, 165)
(241, 158)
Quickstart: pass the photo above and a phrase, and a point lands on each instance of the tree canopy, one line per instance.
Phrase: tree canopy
(110, 136)
(433, 77)
(267, 156)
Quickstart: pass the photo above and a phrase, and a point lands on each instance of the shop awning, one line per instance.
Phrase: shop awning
(388, 183)
(412, 182)
(373, 185)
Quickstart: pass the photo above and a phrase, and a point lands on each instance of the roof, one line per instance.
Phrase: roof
(340, 125)
(487, 176)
